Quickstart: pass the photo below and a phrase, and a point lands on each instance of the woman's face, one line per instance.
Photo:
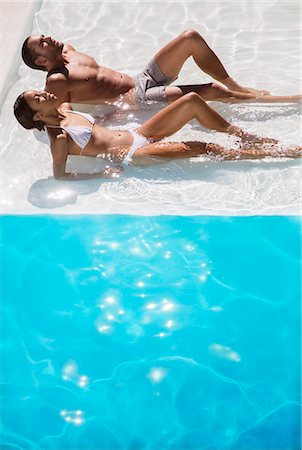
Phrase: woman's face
(40, 101)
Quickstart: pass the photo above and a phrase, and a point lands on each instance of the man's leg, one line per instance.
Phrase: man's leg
(215, 92)
(190, 43)
(209, 92)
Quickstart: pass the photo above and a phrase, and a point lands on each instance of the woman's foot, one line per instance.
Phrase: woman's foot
(250, 138)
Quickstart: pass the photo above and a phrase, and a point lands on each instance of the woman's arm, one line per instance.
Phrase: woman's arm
(60, 153)
(110, 172)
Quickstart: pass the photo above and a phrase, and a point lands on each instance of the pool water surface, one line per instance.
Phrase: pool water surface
(157, 310)
(125, 332)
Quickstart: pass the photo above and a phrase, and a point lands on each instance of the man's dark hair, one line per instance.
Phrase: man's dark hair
(24, 114)
(29, 56)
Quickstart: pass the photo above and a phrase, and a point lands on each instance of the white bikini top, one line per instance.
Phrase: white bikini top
(79, 134)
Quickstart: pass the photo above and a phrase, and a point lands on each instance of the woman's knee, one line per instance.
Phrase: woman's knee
(193, 98)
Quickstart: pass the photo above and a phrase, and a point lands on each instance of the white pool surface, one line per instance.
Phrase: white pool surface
(259, 44)
(15, 24)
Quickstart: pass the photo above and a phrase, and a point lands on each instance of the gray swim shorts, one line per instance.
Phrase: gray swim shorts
(150, 87)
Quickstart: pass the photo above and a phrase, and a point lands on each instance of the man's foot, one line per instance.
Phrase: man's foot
(233, 86)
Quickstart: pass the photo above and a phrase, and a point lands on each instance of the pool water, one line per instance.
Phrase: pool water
(164, 321)
(128, 332)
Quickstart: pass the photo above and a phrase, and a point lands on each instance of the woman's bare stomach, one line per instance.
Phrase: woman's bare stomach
(106, 143)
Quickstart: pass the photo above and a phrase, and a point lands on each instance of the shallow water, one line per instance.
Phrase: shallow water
(150, 333)
(259, 45)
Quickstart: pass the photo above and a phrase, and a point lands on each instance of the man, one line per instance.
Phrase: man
(76, 77)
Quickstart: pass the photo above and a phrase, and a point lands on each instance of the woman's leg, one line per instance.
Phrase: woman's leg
(172, 118)
(164, 151)
(214, 92)
(257, 152)
(191, 106)
(159, 152)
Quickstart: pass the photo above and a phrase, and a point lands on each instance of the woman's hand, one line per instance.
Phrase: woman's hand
(112, 172)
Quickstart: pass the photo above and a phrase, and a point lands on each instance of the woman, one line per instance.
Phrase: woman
(74, 133)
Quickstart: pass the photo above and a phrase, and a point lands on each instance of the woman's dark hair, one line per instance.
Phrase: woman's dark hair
(24, 114)
(29, 56)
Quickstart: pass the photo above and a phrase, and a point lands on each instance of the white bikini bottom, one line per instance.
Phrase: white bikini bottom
(138, 141)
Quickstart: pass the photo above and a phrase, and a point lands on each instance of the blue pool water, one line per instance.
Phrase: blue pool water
(153, 333)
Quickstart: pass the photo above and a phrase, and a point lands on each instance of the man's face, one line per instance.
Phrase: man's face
(45, 46)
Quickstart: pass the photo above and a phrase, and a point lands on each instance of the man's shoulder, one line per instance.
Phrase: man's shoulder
(57, 83)
(69, 47)
(55, 76)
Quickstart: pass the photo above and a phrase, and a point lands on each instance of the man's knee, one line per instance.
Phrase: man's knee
(191, 35)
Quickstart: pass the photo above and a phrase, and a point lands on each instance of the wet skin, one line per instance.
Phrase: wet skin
(77, 77)
(103, 140)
